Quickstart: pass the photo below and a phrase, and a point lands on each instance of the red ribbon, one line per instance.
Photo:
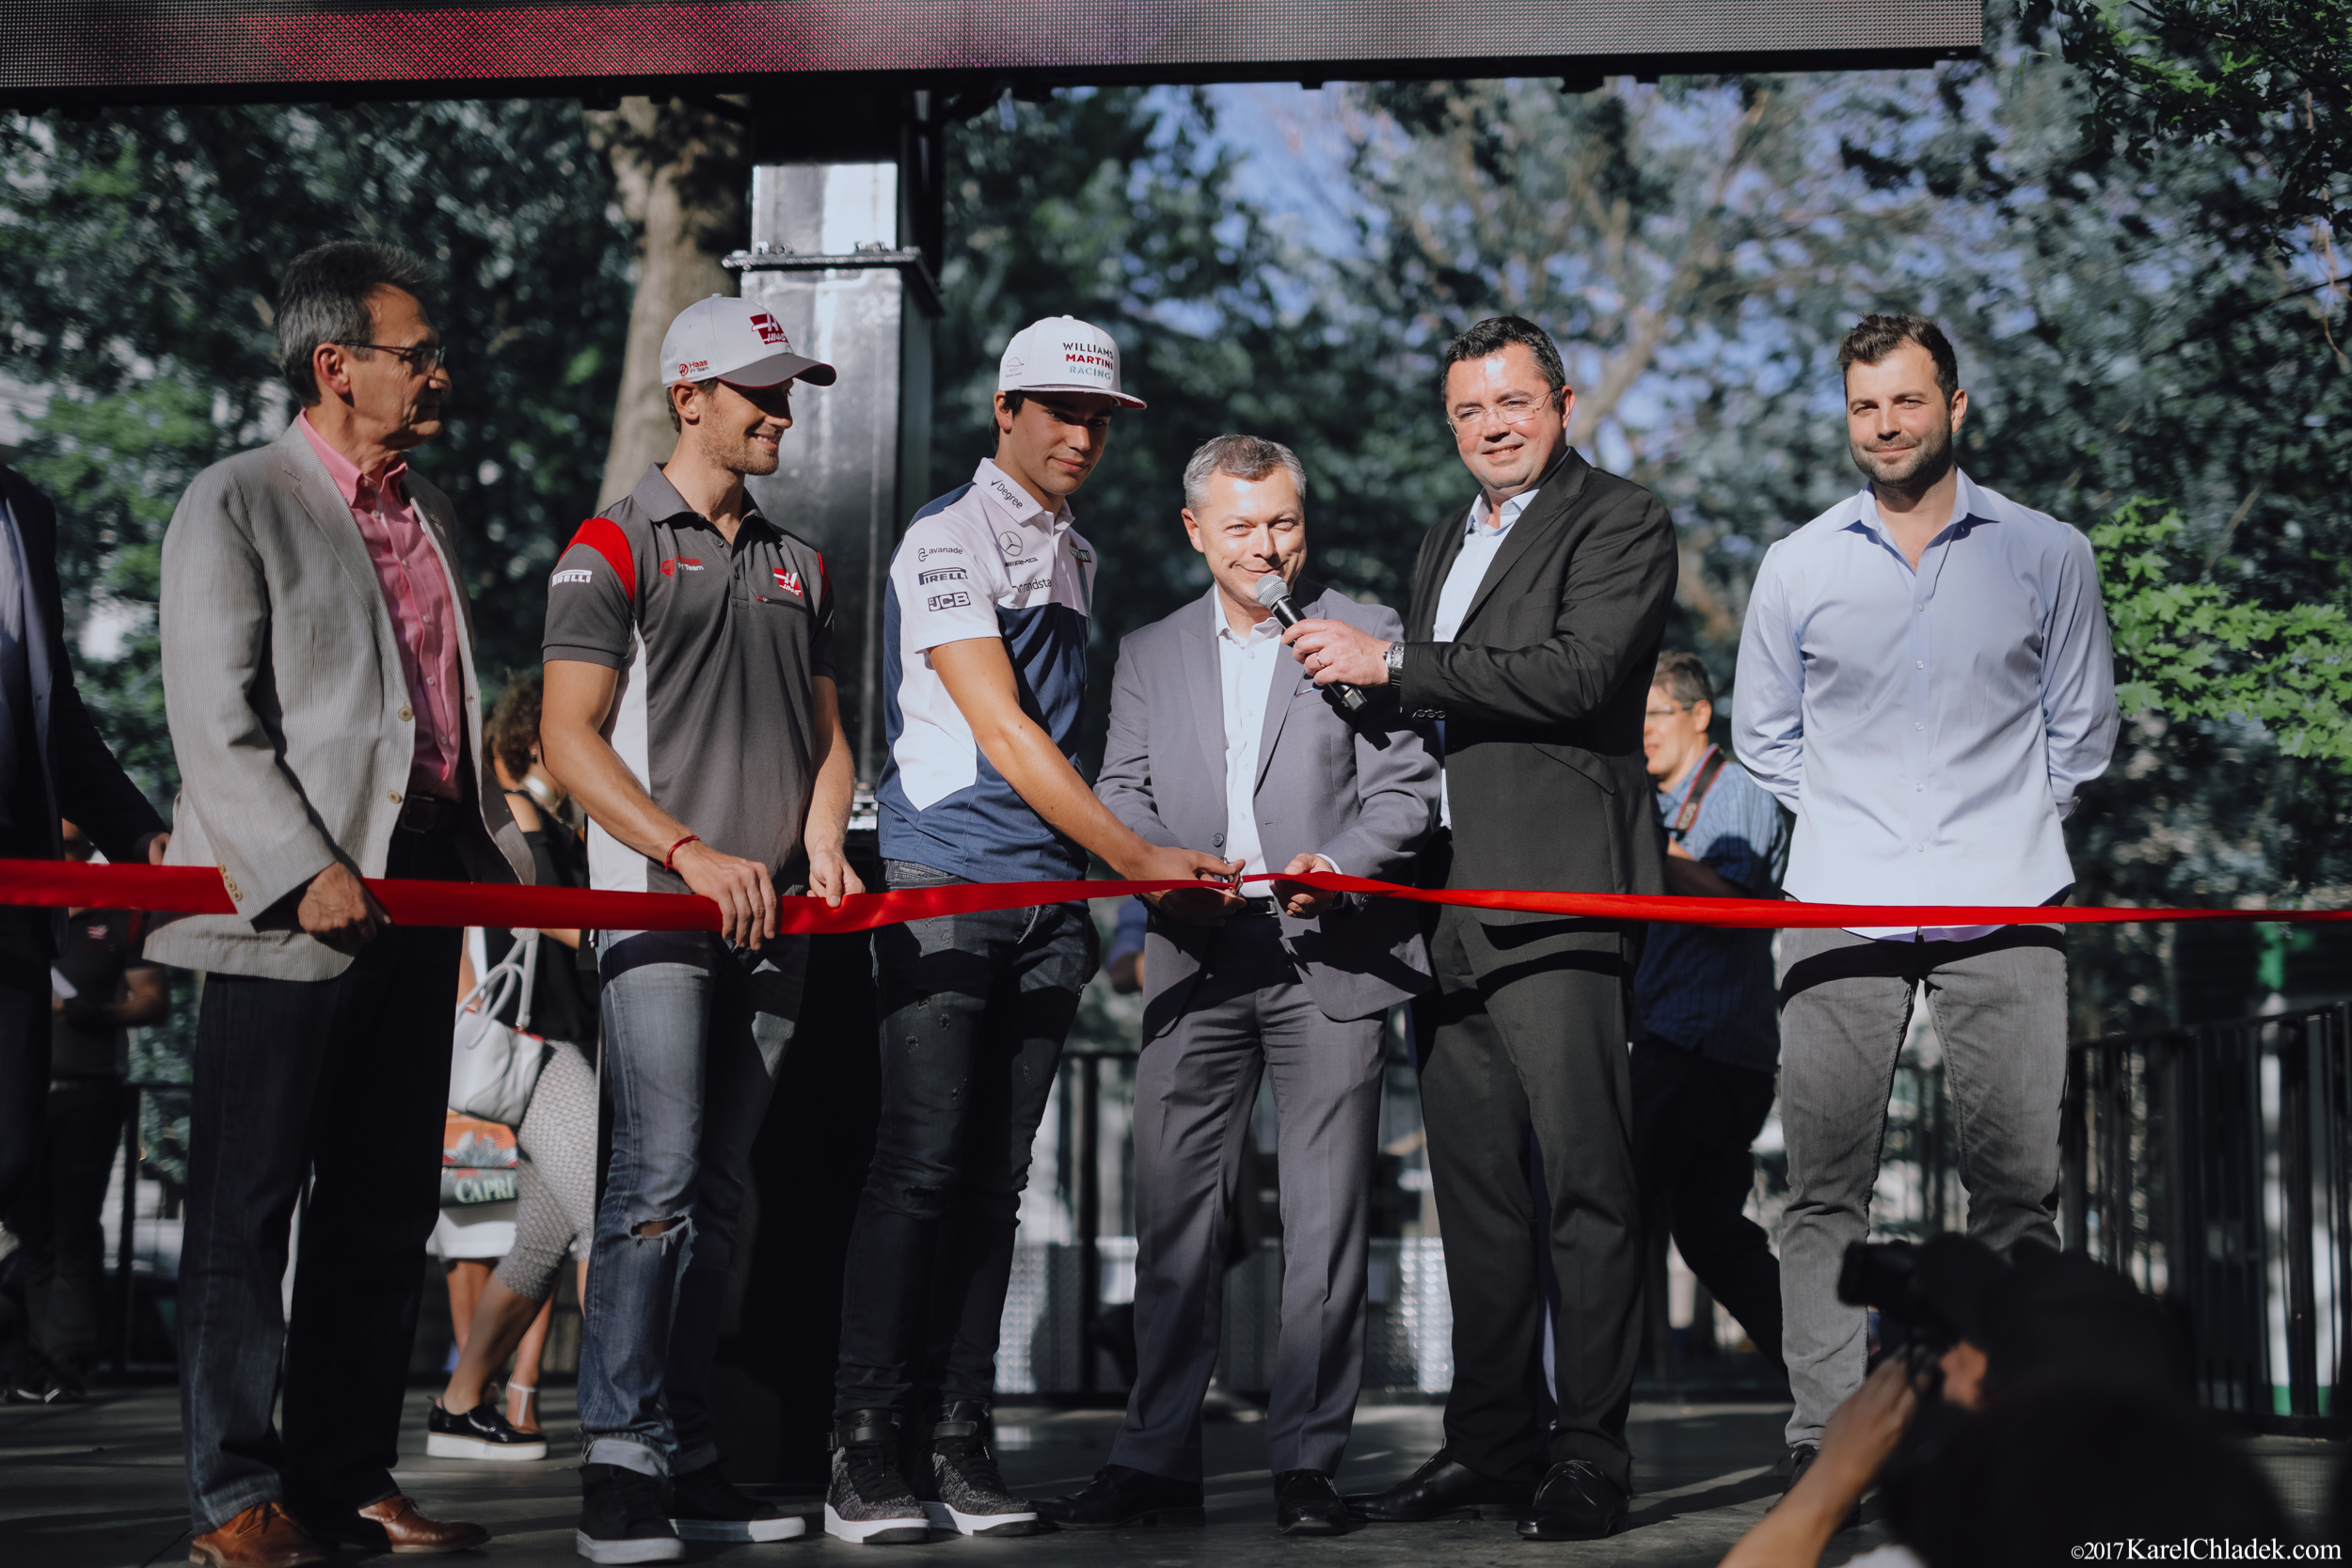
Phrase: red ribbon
(194, 890)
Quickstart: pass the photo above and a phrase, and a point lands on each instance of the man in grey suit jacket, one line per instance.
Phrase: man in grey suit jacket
(1218, 735)
(319, 680)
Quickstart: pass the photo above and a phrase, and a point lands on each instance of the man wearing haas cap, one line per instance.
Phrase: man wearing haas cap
(984, 674)
(690, 707)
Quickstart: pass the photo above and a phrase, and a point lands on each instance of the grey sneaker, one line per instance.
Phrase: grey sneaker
(869, 1503)
(972, 1499)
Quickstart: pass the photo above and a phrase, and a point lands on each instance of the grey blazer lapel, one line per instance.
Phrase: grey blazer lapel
(1204, 678)
(314, 488)
(1288, 674)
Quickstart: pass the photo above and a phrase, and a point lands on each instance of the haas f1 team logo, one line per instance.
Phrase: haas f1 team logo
(769, 333)
(789, 582)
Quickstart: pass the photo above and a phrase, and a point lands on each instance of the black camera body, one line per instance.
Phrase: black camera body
(1883, 1276)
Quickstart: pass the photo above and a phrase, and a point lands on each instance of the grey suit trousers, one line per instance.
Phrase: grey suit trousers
(1999, 1006)
(1248, 1015)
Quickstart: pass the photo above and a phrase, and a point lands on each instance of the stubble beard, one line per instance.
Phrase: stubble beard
(1914, 468)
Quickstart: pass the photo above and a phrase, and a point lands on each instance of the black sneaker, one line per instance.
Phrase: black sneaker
(705, 1505)
(868, 1502)
(482, 1432)
(967, 1494)
(623, 1518)
(1800, 1459)
(1122, 1496)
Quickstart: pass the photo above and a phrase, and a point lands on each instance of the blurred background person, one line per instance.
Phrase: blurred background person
(102, 987)
(555, 1182)
(1710, 1040)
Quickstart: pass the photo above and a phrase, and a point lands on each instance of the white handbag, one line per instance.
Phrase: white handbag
(493, 1064)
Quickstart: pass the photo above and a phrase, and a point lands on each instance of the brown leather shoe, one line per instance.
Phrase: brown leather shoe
(395, 1525)
(263, 1536)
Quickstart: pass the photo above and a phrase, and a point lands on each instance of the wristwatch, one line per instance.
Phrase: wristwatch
(1395, 659)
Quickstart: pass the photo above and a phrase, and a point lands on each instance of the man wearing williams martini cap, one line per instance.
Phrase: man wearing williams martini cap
(690, 707)
(984, 674)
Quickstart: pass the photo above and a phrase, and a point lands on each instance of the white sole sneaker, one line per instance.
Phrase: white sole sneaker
(944, 1517)
(785, 1529)
(658, 1548)
(902, 1531)
(448, 1444)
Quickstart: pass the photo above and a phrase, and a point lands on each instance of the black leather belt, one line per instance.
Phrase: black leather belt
(430, 814)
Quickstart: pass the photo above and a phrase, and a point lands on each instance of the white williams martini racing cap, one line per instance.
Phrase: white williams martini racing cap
(1062, 354)
(735, 341)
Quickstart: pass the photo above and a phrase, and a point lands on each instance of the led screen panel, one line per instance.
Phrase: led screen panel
(73, 45)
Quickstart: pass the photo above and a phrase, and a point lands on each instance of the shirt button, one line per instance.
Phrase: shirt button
(406, 715)
(393, 795)
(1918, 607)
(1920, 664)
(430, 681)
(1922, 788)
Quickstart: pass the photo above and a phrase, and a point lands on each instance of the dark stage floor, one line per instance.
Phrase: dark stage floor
(100, 1486)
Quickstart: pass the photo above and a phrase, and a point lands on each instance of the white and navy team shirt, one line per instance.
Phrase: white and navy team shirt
(985, 560)
(718, 645)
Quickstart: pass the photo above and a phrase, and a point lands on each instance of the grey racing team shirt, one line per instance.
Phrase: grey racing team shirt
(717, 646)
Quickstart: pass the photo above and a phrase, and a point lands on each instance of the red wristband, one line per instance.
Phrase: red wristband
(671, 856)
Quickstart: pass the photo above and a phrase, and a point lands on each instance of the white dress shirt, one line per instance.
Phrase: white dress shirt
(1246, 663)
(1929, 726)
(1483, 533)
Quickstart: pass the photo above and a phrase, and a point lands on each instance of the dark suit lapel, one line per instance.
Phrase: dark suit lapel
(1204, 679)
(1432, 579)
(1287, 673)
(1543, 514)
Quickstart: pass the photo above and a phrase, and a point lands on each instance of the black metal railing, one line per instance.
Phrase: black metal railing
(2212, 1164)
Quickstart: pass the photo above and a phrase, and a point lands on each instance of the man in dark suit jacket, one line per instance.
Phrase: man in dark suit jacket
(1217, 736)
(52, 765)
(1536, 627)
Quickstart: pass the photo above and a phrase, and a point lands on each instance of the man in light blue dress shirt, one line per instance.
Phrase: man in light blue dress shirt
(1925, 680)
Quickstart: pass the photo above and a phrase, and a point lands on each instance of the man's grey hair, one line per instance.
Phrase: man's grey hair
(323, 299)
(1250, 457)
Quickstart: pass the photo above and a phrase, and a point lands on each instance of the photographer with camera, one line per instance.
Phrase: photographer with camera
(2018, 1409)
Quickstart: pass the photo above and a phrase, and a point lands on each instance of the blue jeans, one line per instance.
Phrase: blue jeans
(974, 1009)
(695, 1034)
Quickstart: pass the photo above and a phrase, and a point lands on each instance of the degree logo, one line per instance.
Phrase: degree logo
(789, 582)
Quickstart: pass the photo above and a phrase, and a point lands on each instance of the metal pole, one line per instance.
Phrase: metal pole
(1090, 1213)
(123, 1243)
(2293, 1043)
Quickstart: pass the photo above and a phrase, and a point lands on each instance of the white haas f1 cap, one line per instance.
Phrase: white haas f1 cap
(735, 341)
(1062, 354)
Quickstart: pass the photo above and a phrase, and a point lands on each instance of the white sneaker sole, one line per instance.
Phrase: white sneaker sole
(785, 1529)
(448, 1444)
(944, 1517)
(904, 1531)
(658, 1548)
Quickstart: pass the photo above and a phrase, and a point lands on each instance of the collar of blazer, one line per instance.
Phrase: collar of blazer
(1206, 680)
(325, 504)
(1553, 501)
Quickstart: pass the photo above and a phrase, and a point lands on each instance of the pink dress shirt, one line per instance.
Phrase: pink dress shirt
(418, 592)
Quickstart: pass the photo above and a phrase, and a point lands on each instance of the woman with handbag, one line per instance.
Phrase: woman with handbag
(534, 991)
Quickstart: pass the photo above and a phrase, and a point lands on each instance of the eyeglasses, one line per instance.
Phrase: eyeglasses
(1511, 411)
(1667, 712)
(423, 359)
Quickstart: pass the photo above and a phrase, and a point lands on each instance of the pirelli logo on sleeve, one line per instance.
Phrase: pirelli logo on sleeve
(574, 574)
(941, 574)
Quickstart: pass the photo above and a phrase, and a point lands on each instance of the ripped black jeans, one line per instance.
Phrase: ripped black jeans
(975, 1010)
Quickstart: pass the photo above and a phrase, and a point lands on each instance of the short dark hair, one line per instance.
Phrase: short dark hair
(512, 727)
(1874, 338)
(1497, 333)
(1684, 677)
(323, 298)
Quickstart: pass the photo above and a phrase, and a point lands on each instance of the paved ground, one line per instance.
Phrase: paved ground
(100, 1486)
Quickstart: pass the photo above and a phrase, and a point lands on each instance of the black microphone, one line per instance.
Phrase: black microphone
(1275, 595)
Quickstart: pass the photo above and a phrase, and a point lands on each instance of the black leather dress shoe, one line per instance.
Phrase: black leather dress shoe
(1576, 1502)
(1120, 1496)
(1306, 1503)
(1441, 1489)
